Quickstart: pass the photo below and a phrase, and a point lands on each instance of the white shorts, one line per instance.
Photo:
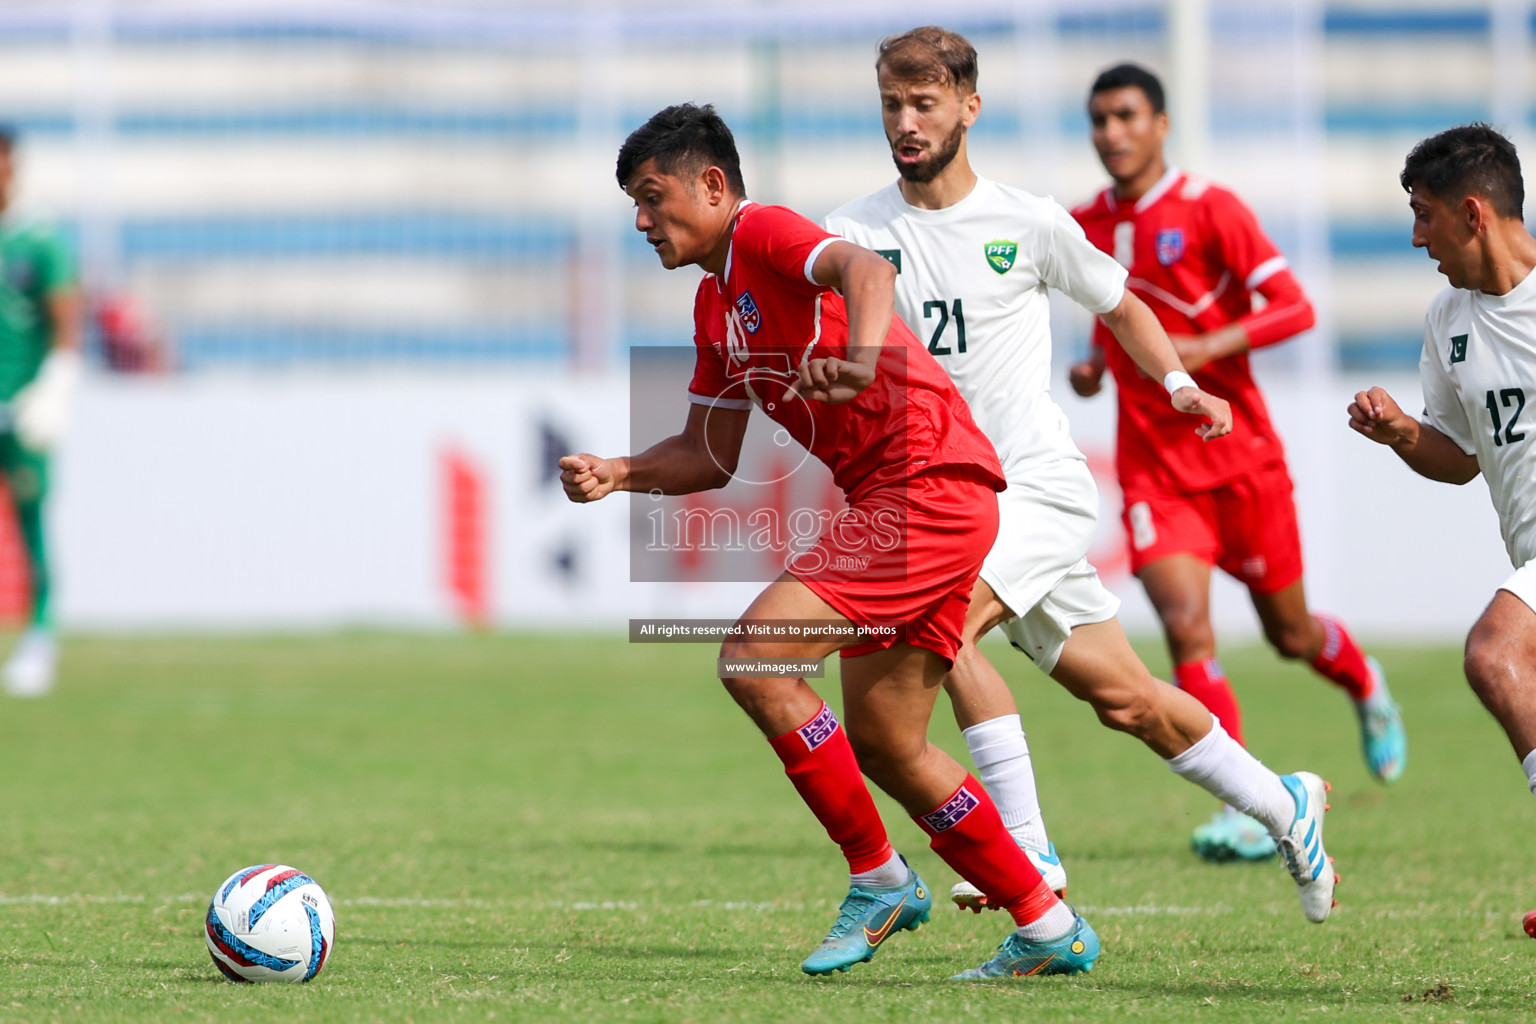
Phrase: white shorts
(1038, 567)
(1522, 583)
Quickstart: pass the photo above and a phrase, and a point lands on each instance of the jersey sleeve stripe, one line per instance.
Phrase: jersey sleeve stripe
(1264, 271)
(1189, 309)
(810, 261)
(719, 403)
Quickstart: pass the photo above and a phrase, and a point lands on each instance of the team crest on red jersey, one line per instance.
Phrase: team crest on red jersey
(1170, 245)
(746, 308)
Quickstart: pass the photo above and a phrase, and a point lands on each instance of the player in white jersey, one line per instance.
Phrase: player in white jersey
(1478, 372)
(974, 260)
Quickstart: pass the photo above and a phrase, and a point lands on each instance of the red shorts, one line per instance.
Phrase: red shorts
(902, 560)
(1247, 526)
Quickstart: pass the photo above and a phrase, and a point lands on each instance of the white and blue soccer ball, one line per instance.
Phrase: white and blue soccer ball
(270, 922)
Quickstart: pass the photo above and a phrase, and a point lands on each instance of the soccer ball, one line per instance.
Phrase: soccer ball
(270, 923)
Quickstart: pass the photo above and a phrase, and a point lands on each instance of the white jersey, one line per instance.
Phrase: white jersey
(1479, 377)
(971, 282)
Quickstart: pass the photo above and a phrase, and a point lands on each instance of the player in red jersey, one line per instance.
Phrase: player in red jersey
(801, 323)
(1198, 256)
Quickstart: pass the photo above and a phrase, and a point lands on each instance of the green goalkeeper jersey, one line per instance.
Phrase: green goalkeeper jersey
(34, 264)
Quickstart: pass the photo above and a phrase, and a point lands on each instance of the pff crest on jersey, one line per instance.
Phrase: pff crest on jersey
(1001, 254)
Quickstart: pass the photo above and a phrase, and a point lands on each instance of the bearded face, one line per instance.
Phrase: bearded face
(920, 161)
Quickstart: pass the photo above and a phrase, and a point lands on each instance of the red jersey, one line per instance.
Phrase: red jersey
(1196, 255)
(755, 324)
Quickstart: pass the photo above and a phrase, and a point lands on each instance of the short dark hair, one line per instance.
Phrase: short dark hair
(1468, 159)
(930, 54)
(1131, 76)
(683, 138)
(7, 135)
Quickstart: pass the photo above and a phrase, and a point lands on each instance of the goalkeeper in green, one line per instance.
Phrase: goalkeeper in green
(40, 318)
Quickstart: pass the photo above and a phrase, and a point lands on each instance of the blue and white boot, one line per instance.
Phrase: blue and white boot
(967, 897)
(1301, 847)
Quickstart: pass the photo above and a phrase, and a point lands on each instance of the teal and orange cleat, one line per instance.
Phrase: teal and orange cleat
(1382, 736)
(866, 919)
(1073, 953)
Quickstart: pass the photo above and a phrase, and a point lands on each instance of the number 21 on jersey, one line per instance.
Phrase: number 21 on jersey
(945, 312)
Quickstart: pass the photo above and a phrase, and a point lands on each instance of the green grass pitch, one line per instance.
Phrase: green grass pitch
(577, 829)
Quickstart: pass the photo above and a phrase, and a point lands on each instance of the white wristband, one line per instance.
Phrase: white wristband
(1178, 379)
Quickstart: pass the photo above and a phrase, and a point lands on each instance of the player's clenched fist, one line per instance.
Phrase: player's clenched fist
(1086, 377)
(1377, 415)
(831, 380)
(586, 477)
(1215, 410)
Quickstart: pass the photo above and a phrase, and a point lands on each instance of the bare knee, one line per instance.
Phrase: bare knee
(1487, 662)
(1292, 640)
(734, 650)
(1188, 625)
(963, 667)
(883, 758)
(752, 693)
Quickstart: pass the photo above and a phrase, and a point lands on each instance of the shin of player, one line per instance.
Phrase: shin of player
(799, 323)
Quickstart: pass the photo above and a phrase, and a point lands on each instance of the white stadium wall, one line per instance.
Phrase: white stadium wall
(253, 502)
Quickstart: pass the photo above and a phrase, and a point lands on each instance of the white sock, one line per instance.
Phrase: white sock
(1053, 924)
(887, 876)
(1218, 764)
(1003, 764)
(1529, 764)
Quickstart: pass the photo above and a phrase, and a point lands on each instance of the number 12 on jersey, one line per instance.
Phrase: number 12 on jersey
(944, 311)
(1507, 397)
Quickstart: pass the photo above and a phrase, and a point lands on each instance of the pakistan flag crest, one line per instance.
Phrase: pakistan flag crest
(1001, 254)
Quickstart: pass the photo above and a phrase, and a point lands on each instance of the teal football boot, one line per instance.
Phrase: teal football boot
(1232, 835)
(1382, 736)
(865, 920)
(1073, 953)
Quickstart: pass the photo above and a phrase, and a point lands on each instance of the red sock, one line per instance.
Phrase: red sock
(968, 833)
(819, 761)
(1206, 682)
(1342, 661)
